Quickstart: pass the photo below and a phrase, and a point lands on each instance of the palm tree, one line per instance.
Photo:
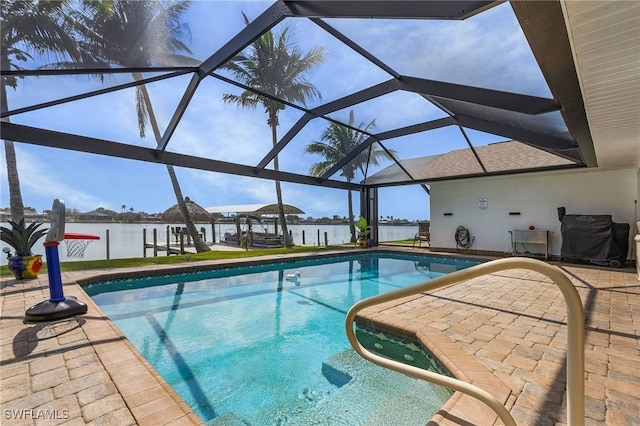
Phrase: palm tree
(29, 28)
(137, 34)
(273, 65)
(338, 141)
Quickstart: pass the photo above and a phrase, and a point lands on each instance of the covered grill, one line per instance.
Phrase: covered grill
(596, 238)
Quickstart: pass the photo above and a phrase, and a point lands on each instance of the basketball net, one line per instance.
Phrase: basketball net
(76, 248)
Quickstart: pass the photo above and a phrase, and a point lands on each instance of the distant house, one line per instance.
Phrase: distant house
(151, 218)
(94, 216)
(30, 215)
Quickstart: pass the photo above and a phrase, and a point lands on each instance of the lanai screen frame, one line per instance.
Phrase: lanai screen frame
(541, 21)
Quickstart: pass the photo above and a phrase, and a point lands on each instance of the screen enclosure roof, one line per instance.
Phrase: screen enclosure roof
(490, 86)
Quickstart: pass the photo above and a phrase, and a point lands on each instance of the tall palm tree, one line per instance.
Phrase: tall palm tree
(339, 140)
(273, 65)
(29, 28)
(132, 33)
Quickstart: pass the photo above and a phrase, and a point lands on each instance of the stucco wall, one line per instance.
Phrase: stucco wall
(537, 198)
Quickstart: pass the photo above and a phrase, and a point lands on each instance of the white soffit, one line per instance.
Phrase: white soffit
(605, 39)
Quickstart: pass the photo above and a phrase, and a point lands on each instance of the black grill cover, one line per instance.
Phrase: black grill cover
(594, 237)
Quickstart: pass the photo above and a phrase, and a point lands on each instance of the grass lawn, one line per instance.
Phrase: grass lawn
(166, 260)
(400, 242)
(192, 257)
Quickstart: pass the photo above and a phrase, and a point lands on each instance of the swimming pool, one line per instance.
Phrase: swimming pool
(259, 345)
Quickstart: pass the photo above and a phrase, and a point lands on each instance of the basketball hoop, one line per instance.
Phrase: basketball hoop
(77, 244)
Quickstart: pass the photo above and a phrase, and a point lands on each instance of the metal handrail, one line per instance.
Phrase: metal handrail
(575, 334)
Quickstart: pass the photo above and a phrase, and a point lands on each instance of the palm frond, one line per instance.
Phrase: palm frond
(339, 141)
(272, 64)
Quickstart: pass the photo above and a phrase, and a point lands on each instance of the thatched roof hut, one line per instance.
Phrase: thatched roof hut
(197, 213)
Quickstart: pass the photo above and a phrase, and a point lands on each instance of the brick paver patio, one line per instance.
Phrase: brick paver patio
(81, 370)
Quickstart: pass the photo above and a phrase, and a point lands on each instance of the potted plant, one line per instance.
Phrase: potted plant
(363, 232)
(23, 263)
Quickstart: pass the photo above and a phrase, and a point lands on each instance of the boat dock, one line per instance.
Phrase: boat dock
(182, 245)
(184, 249)
(163, 248)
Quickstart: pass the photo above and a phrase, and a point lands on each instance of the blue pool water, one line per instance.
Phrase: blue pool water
(250, 346)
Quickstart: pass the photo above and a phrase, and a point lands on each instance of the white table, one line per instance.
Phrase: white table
(525, 236)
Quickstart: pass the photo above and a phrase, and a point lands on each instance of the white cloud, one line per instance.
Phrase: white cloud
(487, 50)
(213, 129)
(42, 181)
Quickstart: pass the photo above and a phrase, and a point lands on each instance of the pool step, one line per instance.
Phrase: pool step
(373, 396)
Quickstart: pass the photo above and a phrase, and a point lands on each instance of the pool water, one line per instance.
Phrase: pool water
(255, 346)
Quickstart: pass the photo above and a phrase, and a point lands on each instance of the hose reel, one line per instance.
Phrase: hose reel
(463, 237)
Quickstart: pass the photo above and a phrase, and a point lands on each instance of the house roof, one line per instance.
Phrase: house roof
(495, 158)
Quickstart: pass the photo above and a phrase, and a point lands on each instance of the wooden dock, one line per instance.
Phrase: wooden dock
(187, 249)
(179, 247)
(171, 250)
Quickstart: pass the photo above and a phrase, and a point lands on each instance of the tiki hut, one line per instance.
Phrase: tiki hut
(197, 213)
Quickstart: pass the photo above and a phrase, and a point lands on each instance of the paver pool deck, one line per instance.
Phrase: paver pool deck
(82, 370)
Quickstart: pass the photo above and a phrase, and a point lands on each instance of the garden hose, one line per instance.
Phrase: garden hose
(463, 238)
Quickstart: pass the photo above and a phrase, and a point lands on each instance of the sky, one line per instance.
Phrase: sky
(488, 50)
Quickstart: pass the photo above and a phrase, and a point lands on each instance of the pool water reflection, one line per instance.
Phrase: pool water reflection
(266, 344)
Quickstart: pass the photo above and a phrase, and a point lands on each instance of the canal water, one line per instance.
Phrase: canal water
(126, 239)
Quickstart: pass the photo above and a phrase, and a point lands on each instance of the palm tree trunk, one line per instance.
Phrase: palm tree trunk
(200, 245)
(352, 224)
(285, 231)
(281, 216)
(15, 196)
(182, 206)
